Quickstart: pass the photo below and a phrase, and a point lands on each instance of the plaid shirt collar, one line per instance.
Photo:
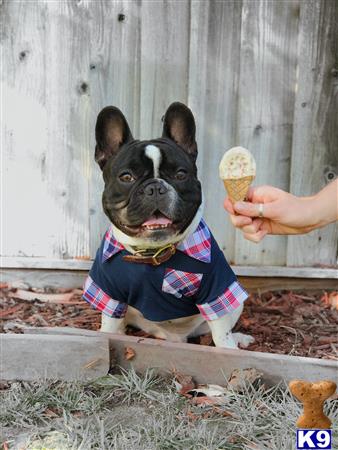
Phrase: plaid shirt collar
(197, 245)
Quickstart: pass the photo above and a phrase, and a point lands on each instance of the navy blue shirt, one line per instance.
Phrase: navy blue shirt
(197, 278)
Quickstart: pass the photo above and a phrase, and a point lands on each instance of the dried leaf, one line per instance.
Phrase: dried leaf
(129, 353)
(239, 378)
(52, 412)
(184, 383)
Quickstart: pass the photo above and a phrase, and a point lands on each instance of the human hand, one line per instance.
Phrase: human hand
(283, 213)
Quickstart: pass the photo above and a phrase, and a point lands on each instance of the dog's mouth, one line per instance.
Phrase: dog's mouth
(157, 222)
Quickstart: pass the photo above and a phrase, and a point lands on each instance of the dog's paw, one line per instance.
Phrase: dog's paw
(243, 339)
(225, 341)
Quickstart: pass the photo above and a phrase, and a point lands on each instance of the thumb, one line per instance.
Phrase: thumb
(252, 209)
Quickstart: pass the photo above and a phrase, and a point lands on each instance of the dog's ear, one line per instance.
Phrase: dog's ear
(179, 125)
(111, 132)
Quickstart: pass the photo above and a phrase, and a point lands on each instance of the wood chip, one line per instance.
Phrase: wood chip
(42, 297)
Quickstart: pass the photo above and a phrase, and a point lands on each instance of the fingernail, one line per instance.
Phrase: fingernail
(240, 206)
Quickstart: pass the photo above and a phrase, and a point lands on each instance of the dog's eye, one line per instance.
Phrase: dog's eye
(181, 175)
(126, 177)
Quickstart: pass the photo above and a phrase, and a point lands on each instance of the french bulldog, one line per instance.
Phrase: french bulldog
(159, 268)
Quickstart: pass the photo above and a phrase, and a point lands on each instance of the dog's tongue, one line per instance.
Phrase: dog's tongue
(157, 221)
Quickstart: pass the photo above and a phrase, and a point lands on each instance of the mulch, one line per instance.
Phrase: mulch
(284, 322)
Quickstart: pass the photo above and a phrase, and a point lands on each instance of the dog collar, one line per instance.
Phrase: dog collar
(197, 245)
(153, 256)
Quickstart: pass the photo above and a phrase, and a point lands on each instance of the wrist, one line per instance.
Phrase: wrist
(311, 214)
(319, 211)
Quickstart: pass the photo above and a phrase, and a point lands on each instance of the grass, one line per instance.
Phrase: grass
(132, 412)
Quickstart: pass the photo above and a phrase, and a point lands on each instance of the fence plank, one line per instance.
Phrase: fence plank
(213, 74)
(266, 101)
(24, 135)
(114, 79)
(164, 61)
(315, 138)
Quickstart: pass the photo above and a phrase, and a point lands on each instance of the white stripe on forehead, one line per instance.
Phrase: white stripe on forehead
(154, 153)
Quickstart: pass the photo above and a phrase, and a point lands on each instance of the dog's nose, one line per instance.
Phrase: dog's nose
(155, 188)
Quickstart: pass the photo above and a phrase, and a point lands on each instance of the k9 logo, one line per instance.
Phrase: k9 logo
(313, 439)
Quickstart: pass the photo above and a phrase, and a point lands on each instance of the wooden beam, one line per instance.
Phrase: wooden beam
(41, 278)
(265, 284)
(205, 364)
(54, 356)
(45, 263)
(248, 271)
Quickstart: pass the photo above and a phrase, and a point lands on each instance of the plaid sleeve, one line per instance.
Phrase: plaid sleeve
(101, 289)
(98, 299)
(231, 299)
(220, 292)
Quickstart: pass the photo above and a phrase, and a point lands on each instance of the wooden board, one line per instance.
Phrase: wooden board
(254, 279)
(266, 284)
(213, 97)
(113, 78)
(254, 271)
(268, 61)
(206, 364)
(60, 357)
(315, 136)
(164, 61)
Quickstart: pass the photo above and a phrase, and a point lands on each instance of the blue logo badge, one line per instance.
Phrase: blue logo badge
(314, 439)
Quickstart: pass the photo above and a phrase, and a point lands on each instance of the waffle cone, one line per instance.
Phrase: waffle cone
(237, 188)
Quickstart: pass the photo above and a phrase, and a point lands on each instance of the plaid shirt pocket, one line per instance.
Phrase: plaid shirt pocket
(180, 283)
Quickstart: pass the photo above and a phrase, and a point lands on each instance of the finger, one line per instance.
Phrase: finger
(255, 237)
(228, 206)
(251, 192)
(240, 221)
(264, 194)
(252, 209)
(253, 227)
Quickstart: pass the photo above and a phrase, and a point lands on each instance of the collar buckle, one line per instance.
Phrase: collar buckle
(156, 258)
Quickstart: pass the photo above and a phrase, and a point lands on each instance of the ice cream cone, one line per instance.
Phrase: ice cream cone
(237, 188)
(237, 170)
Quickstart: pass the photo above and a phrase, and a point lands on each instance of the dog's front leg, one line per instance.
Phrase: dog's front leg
(112, 325)
(221, 332)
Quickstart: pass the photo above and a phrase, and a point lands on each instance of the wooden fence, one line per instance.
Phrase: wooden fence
(261, 74)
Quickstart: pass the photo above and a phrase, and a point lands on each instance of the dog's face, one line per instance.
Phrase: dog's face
(151, 192)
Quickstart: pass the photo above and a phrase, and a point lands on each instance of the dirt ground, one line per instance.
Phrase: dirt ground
(284, 322)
